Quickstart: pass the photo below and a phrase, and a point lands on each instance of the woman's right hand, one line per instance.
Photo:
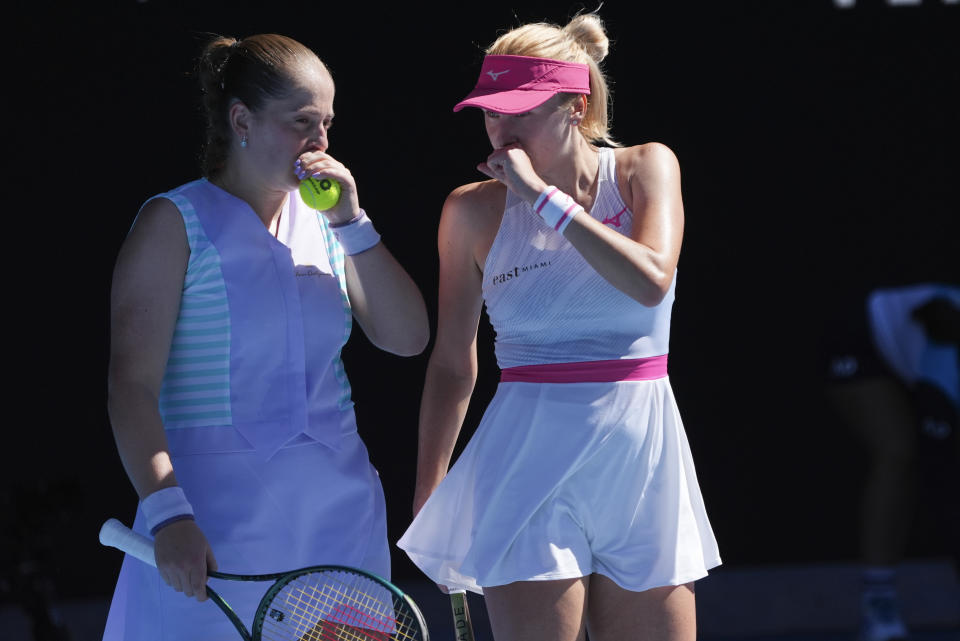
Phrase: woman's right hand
(319, 164)
(183, 558)
(511, 166)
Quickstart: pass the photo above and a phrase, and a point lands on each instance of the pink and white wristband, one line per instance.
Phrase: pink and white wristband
(556, 208)
(164, 507)
(357, 235)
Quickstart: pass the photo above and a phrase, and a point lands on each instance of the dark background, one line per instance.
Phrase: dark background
(819, 150)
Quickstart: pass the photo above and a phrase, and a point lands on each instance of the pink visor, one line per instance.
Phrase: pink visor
(515, 84)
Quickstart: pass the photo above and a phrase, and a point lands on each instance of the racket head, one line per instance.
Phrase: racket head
(325, 603)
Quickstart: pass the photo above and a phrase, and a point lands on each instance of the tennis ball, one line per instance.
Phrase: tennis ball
(320, 193)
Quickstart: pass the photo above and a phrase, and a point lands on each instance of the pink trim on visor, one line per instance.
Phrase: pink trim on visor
(515, 84)
(627, 369)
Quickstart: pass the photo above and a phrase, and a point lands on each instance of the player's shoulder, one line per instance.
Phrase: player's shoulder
(159, 213)
(476, 204)
(647, 156)
(159, 223)
(159, 206)
(646, 167)
(478, 195)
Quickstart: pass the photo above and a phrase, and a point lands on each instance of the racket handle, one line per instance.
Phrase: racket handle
(462, 626)
(115, 534)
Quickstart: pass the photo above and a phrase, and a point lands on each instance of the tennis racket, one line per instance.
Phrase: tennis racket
(318, 603)
(462, 626)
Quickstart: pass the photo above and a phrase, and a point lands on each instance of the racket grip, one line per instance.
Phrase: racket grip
(115, 534)
(462, 625)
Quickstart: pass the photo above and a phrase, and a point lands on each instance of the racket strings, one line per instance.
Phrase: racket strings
(323, 607)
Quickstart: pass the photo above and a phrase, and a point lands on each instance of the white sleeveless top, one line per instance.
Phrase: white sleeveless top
(548, 305)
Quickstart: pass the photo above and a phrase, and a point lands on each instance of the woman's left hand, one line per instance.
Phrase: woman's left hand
(511, 166)
(318, 164)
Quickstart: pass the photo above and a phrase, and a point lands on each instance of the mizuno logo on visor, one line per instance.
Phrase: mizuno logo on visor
(496, 74)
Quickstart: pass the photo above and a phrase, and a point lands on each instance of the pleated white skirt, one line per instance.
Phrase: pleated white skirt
(566, 480)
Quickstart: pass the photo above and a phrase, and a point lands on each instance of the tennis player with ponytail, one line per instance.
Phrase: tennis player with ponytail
(231, 302)
(575, 505)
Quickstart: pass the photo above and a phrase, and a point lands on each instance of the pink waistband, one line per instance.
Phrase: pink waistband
(628, 369)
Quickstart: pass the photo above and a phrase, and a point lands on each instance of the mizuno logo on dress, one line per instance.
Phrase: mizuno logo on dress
(496, 74)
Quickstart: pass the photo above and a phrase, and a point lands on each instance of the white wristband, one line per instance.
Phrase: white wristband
(356, 236)
(164, 507)
(556, 208)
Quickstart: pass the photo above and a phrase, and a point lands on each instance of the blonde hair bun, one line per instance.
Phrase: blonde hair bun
(587, 29)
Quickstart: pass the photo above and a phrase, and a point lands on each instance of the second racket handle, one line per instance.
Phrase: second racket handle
(462, 625)
(116, 534)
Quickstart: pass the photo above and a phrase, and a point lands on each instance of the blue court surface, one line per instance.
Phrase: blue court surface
(765, 603)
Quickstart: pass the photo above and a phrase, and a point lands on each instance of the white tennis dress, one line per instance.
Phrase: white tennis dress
(580, 463)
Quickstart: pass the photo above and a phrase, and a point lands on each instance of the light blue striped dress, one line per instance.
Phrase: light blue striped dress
(258, 415)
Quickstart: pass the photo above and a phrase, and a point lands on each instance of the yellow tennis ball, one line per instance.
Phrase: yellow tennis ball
(320, 193)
